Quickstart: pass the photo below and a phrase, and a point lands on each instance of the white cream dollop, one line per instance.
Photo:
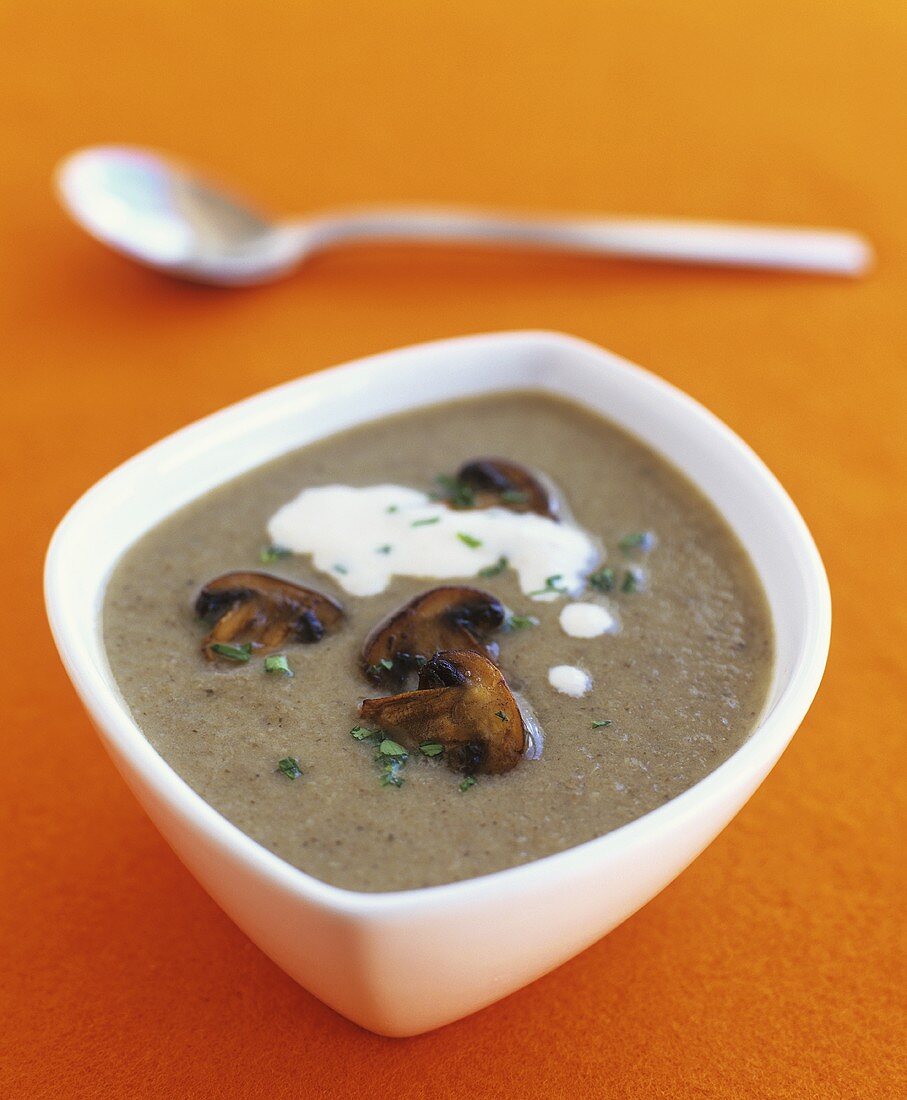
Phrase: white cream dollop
(365, 536)
(587, 620)
(569, 680)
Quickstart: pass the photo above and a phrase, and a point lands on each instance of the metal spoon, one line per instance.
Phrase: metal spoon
(164, 216)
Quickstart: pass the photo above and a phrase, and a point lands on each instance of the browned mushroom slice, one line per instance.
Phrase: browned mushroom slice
(449, 617)
(463, 702)
(506, 484)
(263, 611)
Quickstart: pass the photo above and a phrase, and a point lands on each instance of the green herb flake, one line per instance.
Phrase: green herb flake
(392, 508)
(493, 570)
(468, 782)
(386, 663)
(431, 748)
(602, 579)
(233, 652)
(290, 767)
(639, 540)
(391, 777)
(446, 484)
(361, 733)
(340, 569)
(520, 622)
(273, 553)
(455, 492)
(391, 748)
(632, 582)
(391, 768)
(425, 522)
(500, 714)
(469, 540)
(514, 496)
(278, 663)
(384, 549)
(551, 585)
(601, 723)
(390, 756)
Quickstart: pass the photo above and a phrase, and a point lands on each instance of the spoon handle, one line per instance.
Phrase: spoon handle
(833, 252)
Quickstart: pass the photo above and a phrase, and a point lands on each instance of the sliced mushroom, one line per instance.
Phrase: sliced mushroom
(463, 702)
(505, 484)
(449, 617)
(263, 611)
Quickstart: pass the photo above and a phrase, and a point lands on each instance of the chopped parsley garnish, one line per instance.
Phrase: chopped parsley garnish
(500, 714)
(455, 492)
(601, 723)
(390, 774)
(633, 581)
(639, 540)
(390, 756)
(552, 584)
(341, 569)
(468, 782)
(386, 663)
(391, 748)
(431, 748)
(233, 652)
(274, 553)
(520, 622)
(290, 767)
(602, 579)
(278, 663)
(514, 496)
(425, 522)
(392, 508)
(361, 733)
(493, 570)
(469, 540)
(384, 549)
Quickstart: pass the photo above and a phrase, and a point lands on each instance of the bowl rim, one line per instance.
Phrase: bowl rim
(110, 714)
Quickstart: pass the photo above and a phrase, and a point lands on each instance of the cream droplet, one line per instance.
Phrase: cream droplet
(569, 680)
(587, 620)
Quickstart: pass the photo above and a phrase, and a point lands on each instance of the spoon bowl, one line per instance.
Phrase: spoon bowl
(163, 215)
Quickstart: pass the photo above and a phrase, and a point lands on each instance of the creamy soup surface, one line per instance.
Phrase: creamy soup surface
(649, 691)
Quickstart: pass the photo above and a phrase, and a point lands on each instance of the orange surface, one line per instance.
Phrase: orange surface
(774, 966)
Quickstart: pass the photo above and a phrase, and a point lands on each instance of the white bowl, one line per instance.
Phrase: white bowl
(403, 963)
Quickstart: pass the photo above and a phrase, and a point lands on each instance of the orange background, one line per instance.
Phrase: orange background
(771, 967)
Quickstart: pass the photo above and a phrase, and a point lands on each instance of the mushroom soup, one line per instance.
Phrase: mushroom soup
(398, 662)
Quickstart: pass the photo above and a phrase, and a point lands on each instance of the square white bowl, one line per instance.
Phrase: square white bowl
(375, 958)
